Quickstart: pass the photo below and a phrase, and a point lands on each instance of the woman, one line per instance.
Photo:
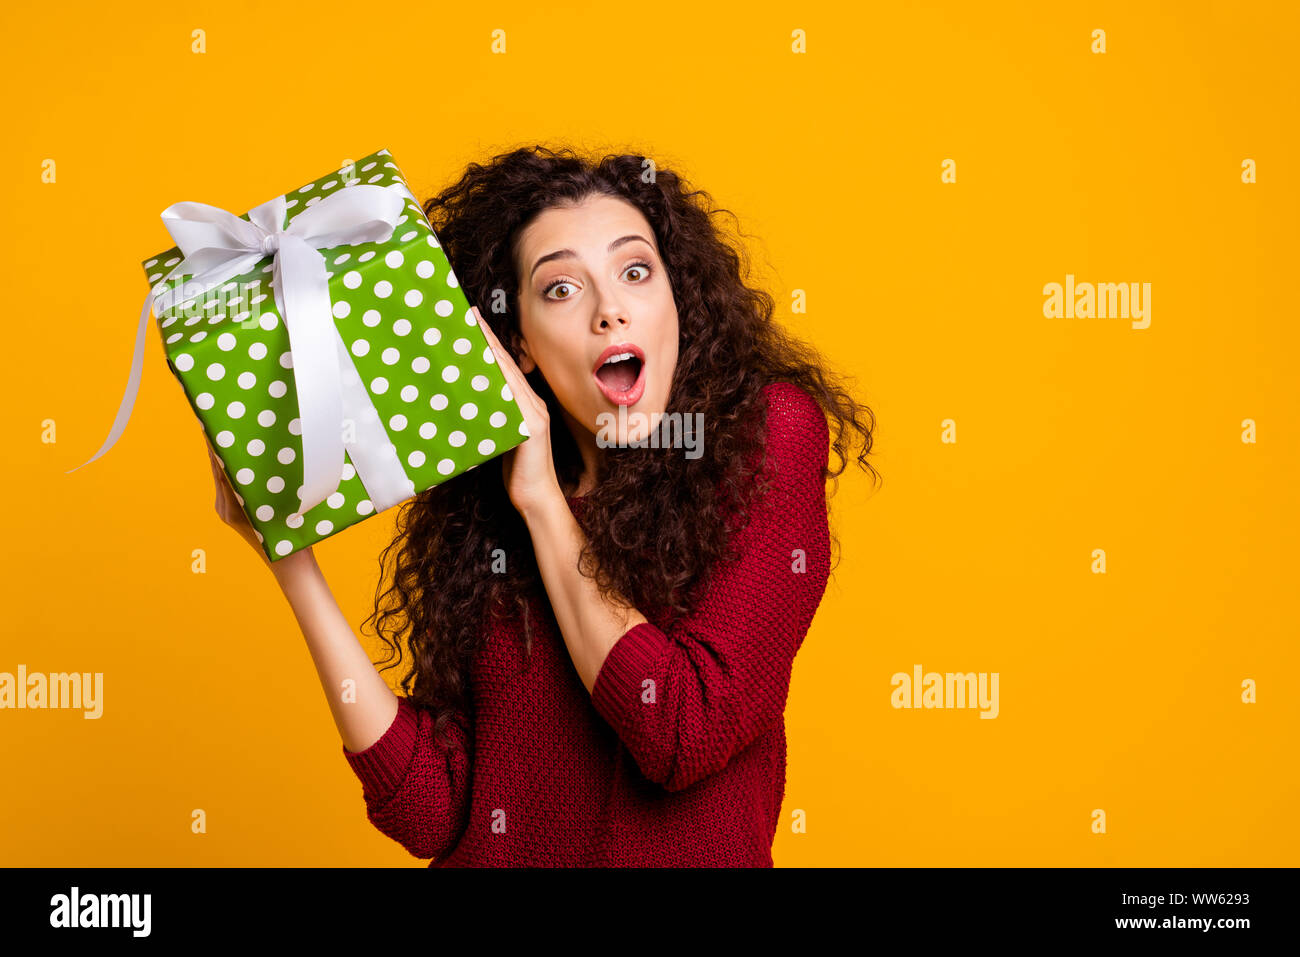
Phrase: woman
(602, 629)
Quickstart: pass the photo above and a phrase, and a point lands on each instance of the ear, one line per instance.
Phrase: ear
(525, 361)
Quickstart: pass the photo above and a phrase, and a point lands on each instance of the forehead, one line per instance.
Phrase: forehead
(587, 229)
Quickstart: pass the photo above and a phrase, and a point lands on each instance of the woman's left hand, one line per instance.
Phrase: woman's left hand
(528, 469)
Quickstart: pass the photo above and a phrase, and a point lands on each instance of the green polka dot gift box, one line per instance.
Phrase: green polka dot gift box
(326, 347)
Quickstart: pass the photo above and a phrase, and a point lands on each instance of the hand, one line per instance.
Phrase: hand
(528, 469)
(228, 507)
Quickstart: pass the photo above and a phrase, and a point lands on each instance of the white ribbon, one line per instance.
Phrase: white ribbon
(217, 246)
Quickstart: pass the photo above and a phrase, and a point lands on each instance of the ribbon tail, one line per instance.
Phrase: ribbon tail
(132, 387)
(371, 450)
(303, 292)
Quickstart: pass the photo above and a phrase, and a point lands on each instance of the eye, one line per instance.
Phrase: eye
(642, 268)
(639, 266)
(552, 284)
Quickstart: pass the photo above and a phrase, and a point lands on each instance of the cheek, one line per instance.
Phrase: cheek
(565, 374)
(670, 361)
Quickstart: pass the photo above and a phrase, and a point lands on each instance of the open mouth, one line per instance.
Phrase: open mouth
(621, 374)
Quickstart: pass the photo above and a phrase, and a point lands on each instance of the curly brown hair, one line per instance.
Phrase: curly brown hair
(658, 523)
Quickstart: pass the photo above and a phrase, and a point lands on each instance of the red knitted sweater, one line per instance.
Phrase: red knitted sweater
(677, 757)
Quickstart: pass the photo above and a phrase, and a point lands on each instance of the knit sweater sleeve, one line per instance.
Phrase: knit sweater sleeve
(416, 789)
(687, 701)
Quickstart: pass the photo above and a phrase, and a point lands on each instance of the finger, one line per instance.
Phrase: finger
(218, 474)
(220, 478)
(515, 379)
(497, 349)
(514, 376)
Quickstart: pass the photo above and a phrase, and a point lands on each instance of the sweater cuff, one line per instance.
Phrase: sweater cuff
(631, 661)
(382, 766)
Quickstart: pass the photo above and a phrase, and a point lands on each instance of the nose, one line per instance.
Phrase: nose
(611, 314)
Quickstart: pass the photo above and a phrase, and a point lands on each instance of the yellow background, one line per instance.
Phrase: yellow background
(1119, 691)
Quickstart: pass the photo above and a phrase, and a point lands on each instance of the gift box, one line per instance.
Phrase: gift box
(323, 342)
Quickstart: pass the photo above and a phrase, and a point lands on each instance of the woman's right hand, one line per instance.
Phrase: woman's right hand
(287, 570)
(228, 507)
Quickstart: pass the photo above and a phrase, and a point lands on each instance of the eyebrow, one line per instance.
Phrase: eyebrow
(569, 253)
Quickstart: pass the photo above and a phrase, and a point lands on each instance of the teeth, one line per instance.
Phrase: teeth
(618, 358)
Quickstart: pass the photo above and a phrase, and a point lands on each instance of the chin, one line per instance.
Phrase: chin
(622, 425)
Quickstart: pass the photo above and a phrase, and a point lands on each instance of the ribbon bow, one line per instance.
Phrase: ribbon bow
(217, 246)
